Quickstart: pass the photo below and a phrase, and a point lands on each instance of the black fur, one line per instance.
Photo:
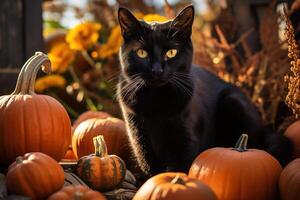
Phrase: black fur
(174, 116)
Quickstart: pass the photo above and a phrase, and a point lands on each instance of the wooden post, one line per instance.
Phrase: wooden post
(20, 36)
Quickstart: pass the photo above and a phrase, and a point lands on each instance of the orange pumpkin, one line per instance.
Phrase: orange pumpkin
(289, 181)
(31, 122)
(77, 192)
(172, 186)
(34, 175)
(293, 133)
(238, 173)
(101, 171)
(69, 154)
(89, 115)
(112, 129)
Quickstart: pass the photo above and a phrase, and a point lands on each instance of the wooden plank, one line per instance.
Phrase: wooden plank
(33, 22)
(11, 33)
(11, 43)
(7, 83)
(20, 36)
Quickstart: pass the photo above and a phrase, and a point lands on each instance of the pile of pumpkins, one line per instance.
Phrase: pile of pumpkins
(36, 134)
(39, 124)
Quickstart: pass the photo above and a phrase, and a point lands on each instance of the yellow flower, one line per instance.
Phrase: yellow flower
(60, 56)
(155, 18)
(150, 17)
(49, 81)
(138, 15)
(83, 36)
(112, 45)
(48, 31)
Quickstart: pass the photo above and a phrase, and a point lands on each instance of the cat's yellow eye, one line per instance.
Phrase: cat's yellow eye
(142, 53)
(171, 53)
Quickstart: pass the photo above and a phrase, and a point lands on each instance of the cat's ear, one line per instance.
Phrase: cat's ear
(184, 20)
(128, 23)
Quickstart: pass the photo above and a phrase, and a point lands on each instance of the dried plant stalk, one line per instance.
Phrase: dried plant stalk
(295, 6)
(293, 80)
(258, 74)
(169, 11)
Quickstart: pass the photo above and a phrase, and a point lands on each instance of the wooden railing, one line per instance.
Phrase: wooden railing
(20, 36)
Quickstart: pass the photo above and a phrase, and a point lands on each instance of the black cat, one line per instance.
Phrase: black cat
(173, 110)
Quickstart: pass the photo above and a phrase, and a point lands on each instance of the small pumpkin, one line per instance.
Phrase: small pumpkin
(77, 192)
(289, 181)
(293, 133)
(238, 173)
(172, 186)
(113, 131)
(100, 170)
(89, 115)
(69, 155)
(30, 122)
(34, 175)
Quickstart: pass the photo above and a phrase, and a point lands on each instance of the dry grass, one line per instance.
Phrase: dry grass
(293, 80)
(260, 75)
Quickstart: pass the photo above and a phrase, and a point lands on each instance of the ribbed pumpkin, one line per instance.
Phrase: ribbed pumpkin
(89, 115)
(30, 122)
(77, 192)
(174, 186)
(238, 173)
(289, 181)
(34, 175)
(112, 129)
(293, 132)
(100, 170)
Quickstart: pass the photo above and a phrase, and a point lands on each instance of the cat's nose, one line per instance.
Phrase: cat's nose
(157, 69)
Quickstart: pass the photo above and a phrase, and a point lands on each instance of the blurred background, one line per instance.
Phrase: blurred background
(243, 42)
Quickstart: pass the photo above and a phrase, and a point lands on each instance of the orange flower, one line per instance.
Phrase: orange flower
(60, 56)
(112, 45)
(49, 81)
(83, 36)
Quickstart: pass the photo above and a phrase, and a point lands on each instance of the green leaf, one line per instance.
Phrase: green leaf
(53, 24)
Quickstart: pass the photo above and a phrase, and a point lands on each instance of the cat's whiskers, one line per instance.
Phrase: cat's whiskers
(138, 85)
(175, 33)
(129, 90)
(172, 82)
(183, 74)
(121, 82)
(129, 85)
(141, 40)
(123, 87)
(180, 81)
(172, 24)
(185, 84)
(114, 77)
(178, 88)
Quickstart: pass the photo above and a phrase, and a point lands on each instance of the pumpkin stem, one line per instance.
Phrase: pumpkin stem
(19, 159)
(241, 144)
(27, 76)
(100, 146)
(178, 180)
(77, 195)
(20, 76)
